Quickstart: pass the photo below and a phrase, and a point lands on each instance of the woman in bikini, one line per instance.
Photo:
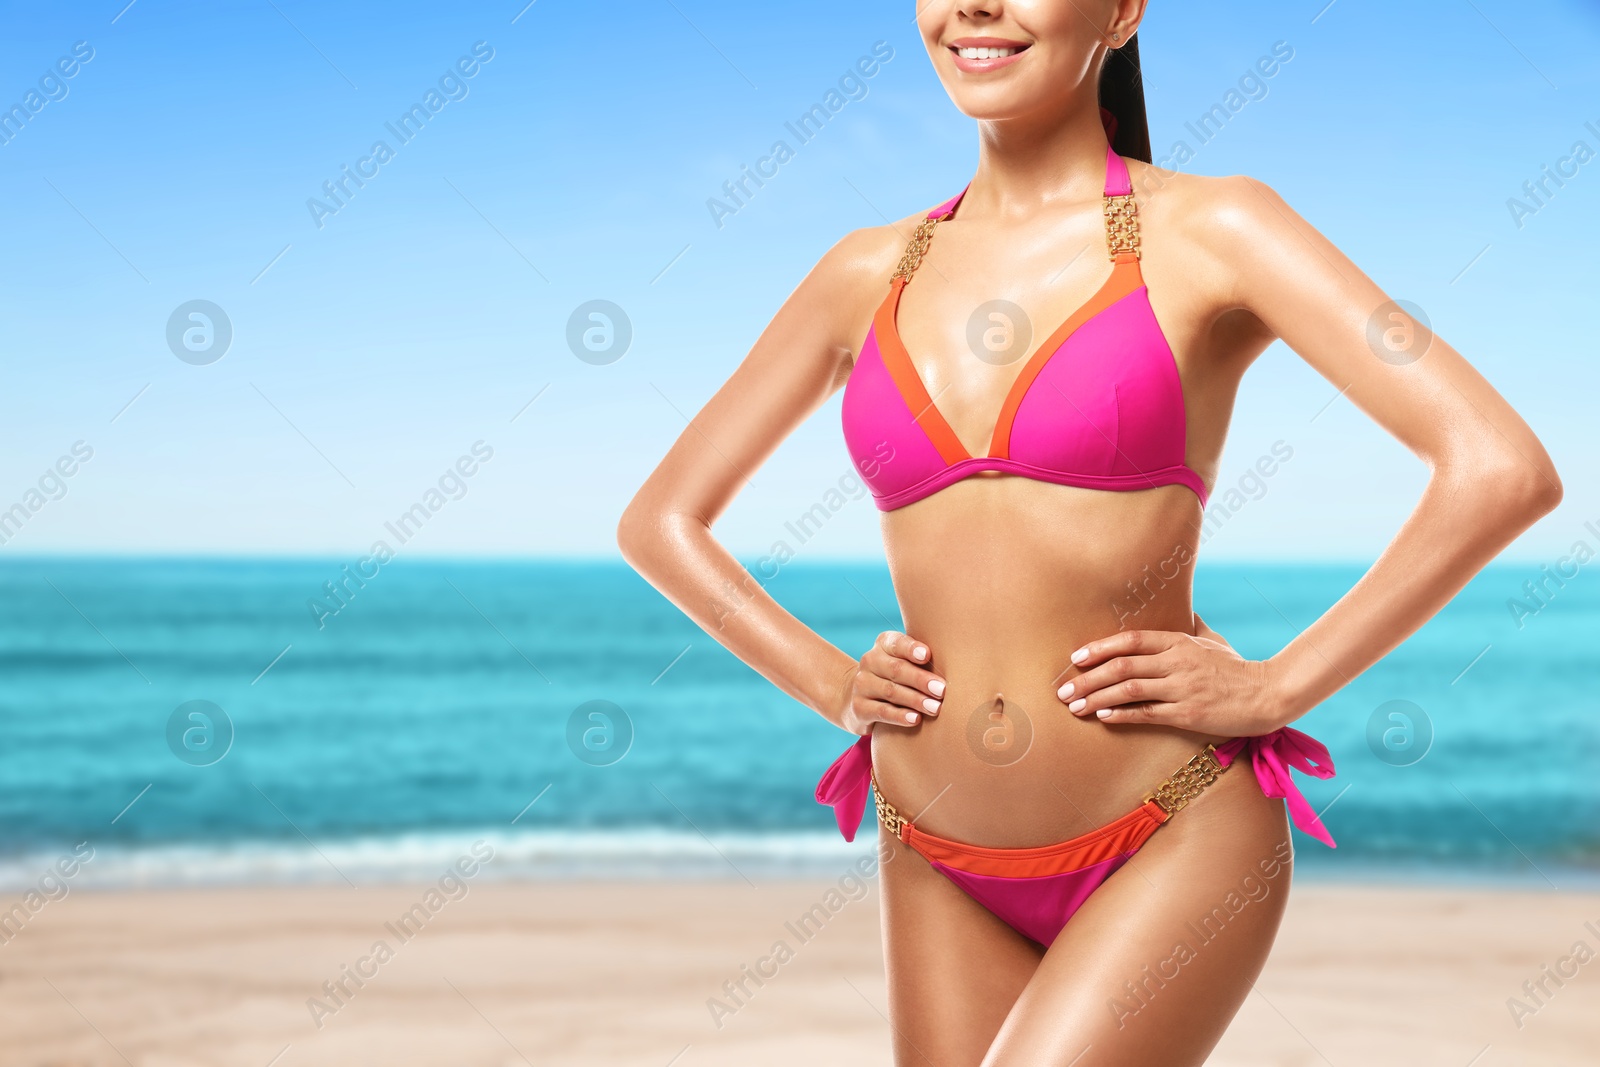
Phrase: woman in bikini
(1050, 740)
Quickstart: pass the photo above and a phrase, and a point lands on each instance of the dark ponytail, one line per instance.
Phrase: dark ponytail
(1122, 94)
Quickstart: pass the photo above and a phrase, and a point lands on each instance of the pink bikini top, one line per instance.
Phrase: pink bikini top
(1099, 404)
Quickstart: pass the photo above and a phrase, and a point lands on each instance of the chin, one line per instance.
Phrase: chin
(994, 102)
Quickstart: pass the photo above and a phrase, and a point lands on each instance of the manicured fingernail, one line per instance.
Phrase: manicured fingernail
(932, 705)
(911, 717)
(1103, 713)
(919, 652)
(1065, 691)
(1080, 655)
(1077, 705)
(936, 687)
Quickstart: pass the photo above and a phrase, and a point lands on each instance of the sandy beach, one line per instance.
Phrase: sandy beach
(623, 973)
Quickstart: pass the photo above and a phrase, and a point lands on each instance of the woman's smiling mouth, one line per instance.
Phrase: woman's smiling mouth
(977, 55)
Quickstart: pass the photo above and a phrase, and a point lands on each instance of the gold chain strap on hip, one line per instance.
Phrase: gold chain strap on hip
(888, 814)
(1186, 783)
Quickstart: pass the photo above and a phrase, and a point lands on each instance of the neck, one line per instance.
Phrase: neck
(1030, 164)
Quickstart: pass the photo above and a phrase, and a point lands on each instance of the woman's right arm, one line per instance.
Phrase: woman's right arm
(800, 359)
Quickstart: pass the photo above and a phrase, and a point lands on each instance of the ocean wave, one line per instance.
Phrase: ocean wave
(422, 857)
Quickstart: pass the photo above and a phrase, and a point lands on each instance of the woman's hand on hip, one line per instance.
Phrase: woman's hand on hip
(892, 686)
(1167, 677)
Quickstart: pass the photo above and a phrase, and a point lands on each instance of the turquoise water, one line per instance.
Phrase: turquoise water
(437, 704)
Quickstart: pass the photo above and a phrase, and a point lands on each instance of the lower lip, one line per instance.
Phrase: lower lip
(983, 66)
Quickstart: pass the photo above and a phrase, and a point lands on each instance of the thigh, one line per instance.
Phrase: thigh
(1153, 967)
(954, 969)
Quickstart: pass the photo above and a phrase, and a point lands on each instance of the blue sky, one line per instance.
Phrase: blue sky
(370, 353)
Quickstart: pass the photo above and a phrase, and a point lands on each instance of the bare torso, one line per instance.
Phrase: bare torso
(1002, 576)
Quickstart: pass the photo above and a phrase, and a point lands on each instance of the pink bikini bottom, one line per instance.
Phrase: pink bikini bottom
(1036, 890)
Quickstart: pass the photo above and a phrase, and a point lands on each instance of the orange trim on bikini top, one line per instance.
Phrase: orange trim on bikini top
(1125, 278)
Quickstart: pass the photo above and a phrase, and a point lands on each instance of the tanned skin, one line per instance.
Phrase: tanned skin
(1001, 579)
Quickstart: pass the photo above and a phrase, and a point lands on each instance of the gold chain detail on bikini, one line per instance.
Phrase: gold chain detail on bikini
(888, 814)
(1172, 795)
(1122, 225)
(1186, 782)
(912, 259)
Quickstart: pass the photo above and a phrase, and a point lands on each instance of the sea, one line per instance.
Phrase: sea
(176, 721)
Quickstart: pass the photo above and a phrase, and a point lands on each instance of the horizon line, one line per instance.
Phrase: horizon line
(323, 556)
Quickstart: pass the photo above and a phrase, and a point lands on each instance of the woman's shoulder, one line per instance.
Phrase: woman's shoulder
(834, 303)
(850, 279)
(1216, 212)
(869, 254)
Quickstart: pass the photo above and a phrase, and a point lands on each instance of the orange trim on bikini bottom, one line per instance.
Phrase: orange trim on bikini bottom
(1117, 838)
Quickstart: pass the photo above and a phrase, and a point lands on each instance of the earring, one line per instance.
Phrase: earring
(1116, 36)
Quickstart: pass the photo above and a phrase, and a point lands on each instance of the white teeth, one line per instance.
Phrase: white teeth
(986, 53)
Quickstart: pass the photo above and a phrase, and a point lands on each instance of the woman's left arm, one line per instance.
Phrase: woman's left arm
(1489, 480)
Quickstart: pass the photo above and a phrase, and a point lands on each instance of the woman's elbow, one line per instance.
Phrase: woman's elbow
(647, 529)
(1540, 489)
(633, 533)
(1526, 486)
